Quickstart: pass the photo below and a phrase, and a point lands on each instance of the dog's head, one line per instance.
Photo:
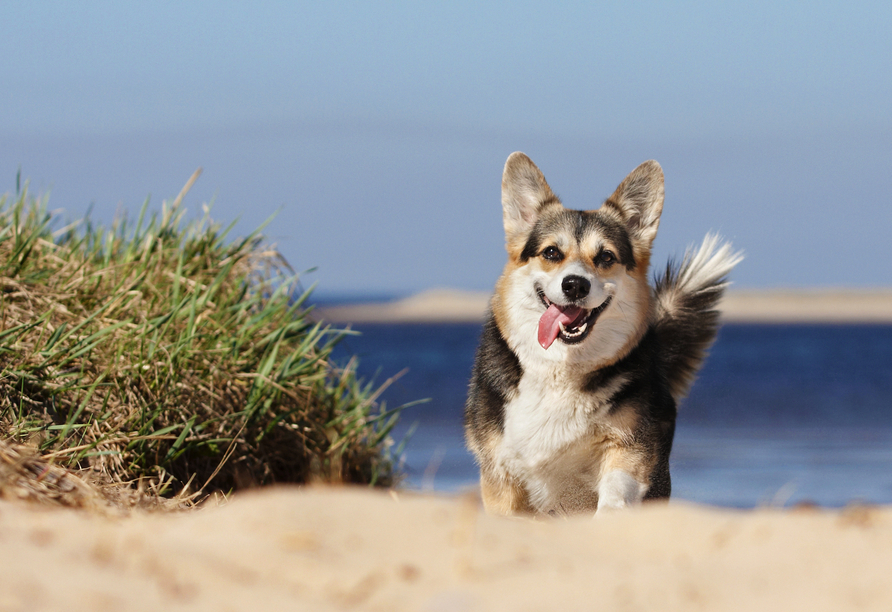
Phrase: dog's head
(576, 276)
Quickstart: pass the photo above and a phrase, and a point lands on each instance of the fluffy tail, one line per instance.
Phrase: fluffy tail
(686, 317)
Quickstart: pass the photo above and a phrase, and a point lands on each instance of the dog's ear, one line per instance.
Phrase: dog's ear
(524, 193)
(639, 199)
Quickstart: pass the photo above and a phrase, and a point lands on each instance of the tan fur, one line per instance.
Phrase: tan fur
(624, 421)
(636, 460)
(503, 496)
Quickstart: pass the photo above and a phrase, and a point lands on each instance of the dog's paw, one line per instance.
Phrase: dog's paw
(619, 489)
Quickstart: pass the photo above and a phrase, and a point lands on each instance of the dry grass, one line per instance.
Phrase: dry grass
(161, 355)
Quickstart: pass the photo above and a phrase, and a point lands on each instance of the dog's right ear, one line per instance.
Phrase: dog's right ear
(524, 193)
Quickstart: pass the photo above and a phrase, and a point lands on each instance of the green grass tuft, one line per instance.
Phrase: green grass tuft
(163, 353)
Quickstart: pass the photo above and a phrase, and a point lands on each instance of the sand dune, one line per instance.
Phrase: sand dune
(768, 306)
(351, 549)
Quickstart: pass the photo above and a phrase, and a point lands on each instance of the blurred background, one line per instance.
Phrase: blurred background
(376, 133)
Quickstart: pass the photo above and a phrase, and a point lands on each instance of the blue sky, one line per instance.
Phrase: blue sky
(378, 131)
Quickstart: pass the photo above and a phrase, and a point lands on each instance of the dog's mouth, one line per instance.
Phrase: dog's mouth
(572, 324)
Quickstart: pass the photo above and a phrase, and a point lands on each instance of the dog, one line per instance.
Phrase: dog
(581, 364)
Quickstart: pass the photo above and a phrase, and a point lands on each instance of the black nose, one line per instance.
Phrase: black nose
(575, 287)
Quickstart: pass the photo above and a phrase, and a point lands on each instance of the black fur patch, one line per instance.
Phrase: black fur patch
(495, 376)
(646, 390)
(580, 223)
(603, 377)
(646, 383)
(689, 329)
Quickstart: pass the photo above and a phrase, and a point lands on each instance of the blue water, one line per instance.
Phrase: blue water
(780, 414)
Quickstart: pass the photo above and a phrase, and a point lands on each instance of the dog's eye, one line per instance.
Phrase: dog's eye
(552, 253)
(605, 258)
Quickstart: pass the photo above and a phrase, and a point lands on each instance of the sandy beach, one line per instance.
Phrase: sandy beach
(356, 549)
(326, 548)
(755, 306)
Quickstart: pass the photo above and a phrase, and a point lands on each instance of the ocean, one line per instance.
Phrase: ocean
(781, 414)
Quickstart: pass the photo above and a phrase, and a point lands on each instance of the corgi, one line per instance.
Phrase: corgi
(581, 364)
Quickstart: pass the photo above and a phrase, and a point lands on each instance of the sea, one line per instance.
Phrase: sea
(780, 415)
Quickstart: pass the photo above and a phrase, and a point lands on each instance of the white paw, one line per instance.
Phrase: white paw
(619, 489)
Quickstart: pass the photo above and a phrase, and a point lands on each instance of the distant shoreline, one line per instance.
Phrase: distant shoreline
(836, 305)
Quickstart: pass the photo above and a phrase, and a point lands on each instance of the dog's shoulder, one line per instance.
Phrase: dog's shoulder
(495, 377)
(645, 387)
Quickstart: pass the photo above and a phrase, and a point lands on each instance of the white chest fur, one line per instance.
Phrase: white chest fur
(553, 440)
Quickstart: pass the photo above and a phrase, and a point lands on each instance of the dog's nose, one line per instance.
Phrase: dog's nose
(575, 287)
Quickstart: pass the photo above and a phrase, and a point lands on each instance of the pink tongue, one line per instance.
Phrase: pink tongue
(549, 327)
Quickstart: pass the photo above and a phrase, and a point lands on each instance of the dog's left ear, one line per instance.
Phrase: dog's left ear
(639, 199)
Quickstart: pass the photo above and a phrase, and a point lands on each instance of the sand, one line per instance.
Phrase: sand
(356, 549)
(761, 306)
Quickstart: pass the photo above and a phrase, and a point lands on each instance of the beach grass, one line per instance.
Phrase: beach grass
(160, 355)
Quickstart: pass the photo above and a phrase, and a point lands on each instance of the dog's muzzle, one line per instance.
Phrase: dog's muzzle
(570, 323)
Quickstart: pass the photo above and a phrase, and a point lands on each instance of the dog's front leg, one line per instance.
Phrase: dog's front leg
(503, 495)
(623, 479)
(619, 489)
